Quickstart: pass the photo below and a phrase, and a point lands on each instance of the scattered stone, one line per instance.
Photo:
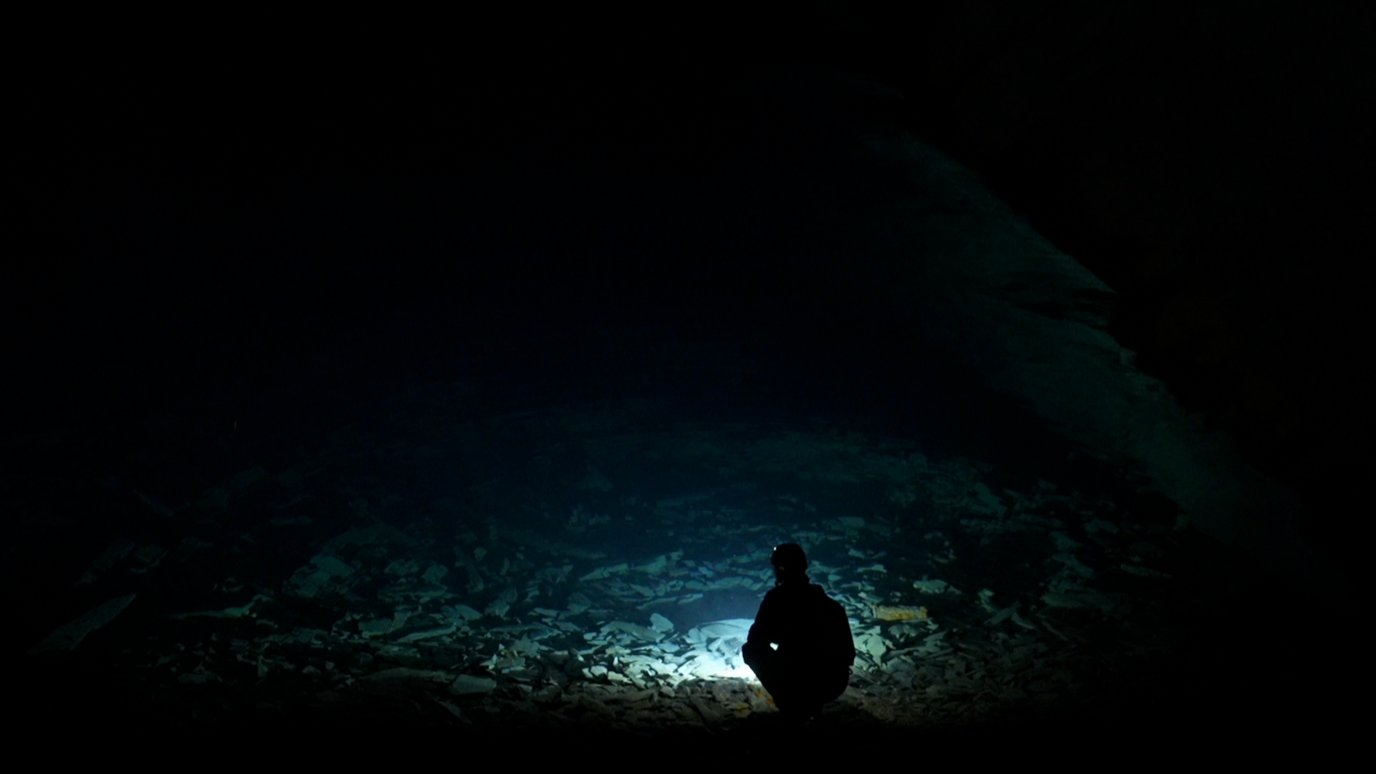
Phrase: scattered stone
(465, 612)
(70, 634)
(117, 550)
(605, 572)
(886, 613)
(932, 586)
(318, 575)
(228, 612)
(1143, 572)
(401, 681)
(1099, 525)
(466, 685)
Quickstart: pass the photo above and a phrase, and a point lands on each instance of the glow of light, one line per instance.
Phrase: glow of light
(718, 649)
(740, 670)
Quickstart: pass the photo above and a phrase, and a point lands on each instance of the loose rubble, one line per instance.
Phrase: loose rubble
(554, 616)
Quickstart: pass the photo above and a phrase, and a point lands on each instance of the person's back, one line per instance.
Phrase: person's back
(805, 623)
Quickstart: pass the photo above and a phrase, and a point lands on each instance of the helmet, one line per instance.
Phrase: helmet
(789, 557)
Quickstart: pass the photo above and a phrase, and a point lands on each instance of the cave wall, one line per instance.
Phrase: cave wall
(1208, 160)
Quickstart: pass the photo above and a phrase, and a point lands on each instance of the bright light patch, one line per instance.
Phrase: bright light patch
(637, 654)
(717, 649)
(740, 670)
(713, 667)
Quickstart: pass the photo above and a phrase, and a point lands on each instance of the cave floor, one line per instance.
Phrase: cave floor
(588, 571)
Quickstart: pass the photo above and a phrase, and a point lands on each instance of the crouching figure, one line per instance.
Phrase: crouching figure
(800, 645)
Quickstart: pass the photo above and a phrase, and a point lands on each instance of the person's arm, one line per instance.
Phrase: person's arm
(845, 644)
(764, 631)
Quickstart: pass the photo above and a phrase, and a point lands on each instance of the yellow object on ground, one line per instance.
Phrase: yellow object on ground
(884, 613)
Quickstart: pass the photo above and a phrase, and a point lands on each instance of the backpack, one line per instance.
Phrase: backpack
(836, 644)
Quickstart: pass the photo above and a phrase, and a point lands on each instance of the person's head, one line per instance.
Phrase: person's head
(790, 563)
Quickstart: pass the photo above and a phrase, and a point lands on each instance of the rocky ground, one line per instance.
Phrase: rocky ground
(603, 582)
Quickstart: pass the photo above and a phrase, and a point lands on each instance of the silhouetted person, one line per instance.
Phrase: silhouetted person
(815, 650)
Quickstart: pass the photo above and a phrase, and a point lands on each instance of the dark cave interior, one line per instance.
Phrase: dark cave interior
(311, 249)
